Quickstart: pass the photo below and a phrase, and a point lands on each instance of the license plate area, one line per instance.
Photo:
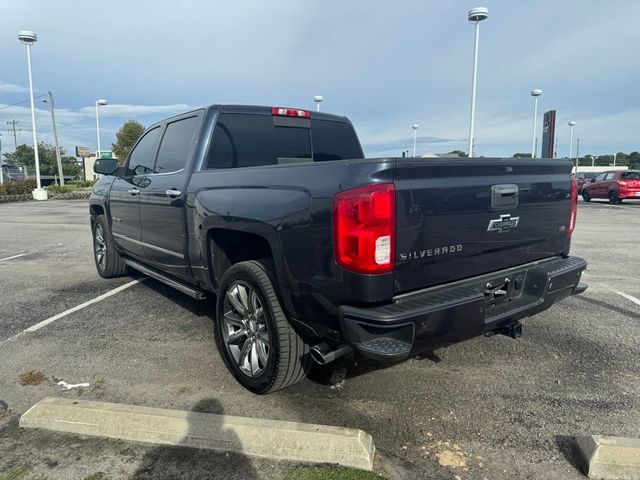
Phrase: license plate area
(502, 290)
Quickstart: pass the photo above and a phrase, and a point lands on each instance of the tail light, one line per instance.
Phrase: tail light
(289, 112)
(364, 223)
(574, 205)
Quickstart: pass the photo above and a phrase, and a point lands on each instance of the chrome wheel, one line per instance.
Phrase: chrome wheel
(245, 329)
(100, 247)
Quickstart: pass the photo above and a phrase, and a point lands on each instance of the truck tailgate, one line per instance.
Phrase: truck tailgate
(458, 217)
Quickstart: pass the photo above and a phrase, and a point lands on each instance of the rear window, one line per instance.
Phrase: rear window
(242, 140)
(631, 175)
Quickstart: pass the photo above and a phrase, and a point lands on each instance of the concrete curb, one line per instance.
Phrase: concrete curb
(610, 458)
(273, 439)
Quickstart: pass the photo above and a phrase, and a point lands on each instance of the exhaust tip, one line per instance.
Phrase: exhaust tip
(323, 353)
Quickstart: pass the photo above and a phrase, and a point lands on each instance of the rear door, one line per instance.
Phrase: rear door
(162, 198)
(458, 218)
(124, 197)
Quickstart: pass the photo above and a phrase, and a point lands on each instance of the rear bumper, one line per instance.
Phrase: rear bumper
(629, 193)
(428, 319)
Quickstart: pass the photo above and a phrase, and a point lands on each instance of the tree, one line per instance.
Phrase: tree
(521, 155)
(459, 153)
(47, 158)
(126, 137)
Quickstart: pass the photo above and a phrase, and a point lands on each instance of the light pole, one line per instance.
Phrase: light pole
(318, 99)
(55, 135)
(415, 127)
(100, 101)
(571, 125)
(476, 15)
(535, 94)
(28, 38)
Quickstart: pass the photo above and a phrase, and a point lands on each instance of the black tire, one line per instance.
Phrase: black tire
(585, 195)
(613, 198)
(108, 261)
(287, 359)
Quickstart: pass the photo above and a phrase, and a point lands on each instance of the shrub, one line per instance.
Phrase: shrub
(17, 188)
(61, 188)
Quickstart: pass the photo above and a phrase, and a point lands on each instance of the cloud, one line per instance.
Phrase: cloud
(12, 88)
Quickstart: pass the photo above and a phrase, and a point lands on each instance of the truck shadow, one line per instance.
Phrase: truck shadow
(190, 462)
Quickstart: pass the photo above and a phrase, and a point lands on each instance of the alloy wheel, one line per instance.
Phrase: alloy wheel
(100, 247)
(245, 329)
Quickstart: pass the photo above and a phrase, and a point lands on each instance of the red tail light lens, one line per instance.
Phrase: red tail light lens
(364, 224)
(574, 205)
(289, 112)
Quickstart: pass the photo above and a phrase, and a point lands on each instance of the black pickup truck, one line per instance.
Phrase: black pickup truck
(313, 251)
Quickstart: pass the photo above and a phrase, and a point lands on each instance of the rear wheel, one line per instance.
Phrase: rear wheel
(257, 343)
(108, 261)
(613, 198)
(585, 195)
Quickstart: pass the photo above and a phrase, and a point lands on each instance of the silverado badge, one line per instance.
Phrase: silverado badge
(503, 224)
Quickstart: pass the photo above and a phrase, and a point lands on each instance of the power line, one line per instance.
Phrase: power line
(20, 103)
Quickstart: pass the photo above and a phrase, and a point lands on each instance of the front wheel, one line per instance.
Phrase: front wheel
(585, 195)
(254, 338)
(108, 261)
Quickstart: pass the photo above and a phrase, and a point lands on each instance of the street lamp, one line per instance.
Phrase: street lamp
(476, 15)
(28, 38)
(100, 101)
(415, 127)
(318, 99)
(55, 135)
(535, 94)
(571, 125)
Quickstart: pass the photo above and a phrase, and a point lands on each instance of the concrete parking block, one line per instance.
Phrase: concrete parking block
(610, 458)
(274, 439)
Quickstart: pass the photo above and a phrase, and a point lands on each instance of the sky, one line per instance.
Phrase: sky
(385, 65)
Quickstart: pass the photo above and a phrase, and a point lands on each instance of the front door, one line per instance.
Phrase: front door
(124, 197)
(162, 199)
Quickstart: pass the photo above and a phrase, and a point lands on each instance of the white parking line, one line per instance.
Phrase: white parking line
(49, 320)
(622, 294)
(15, 256)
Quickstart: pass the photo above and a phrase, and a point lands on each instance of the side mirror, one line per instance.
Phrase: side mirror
(105, 166)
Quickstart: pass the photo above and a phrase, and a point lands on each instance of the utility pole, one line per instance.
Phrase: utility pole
(614, 159)
(577, 153)
(14, 130)
(55, 137)
(555, 152)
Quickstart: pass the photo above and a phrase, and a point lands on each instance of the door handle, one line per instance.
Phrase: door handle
(173, 193)
(133, 191)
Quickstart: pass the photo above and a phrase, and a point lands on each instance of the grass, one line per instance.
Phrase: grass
(97, 384)
(333, 473)
(15, 473)
(34, 377)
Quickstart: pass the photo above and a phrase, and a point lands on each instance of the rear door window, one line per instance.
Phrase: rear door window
(241, 140)
(175, 145)
(610, 176)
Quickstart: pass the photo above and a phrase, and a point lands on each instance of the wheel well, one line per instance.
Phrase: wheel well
(95, 210)
(228, 247)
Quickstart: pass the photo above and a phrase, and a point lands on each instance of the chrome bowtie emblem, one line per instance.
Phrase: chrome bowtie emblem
(503, 224)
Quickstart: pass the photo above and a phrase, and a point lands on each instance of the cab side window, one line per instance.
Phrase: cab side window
(175, 145)
(141, 157)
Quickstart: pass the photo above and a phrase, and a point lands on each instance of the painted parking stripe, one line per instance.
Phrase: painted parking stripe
(44, 323)
(11, 258)
(631, 298)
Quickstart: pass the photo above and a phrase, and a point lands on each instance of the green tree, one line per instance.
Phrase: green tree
(126, 137)
(521, 155)
(459, 153)
(47, 157)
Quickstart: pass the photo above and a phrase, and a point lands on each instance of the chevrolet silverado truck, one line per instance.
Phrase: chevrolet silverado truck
(312, 251)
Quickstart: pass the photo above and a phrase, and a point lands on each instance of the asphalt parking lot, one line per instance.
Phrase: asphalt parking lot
(492, 408)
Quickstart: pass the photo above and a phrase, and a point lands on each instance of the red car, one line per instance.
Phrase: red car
(616, 186)
(582, 178)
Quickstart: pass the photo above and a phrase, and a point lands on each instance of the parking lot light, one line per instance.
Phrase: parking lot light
(571, 125)
(100, 101)
(28, 38)
(476, 15)
(415, 127)
(318, 99)
(535, 94)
